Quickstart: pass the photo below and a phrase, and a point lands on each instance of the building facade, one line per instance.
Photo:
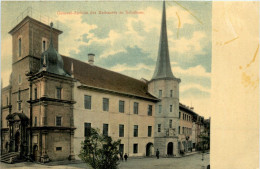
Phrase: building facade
(53, 100)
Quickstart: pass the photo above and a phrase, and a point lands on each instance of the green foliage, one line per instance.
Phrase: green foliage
(99, 151)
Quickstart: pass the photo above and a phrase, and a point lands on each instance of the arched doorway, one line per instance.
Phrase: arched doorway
(170, 148)
(17, 141)
(149, 149)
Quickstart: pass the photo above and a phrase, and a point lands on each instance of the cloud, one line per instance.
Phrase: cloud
(124, 67)
(198, 71)
(191, 45)
(74, 30)
(187, 87)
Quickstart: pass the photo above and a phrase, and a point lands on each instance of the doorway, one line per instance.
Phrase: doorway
(170, 148)
(121, 148)
(17, 141)
(149, 147)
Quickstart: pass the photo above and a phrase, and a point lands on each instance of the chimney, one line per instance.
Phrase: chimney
(91, 58)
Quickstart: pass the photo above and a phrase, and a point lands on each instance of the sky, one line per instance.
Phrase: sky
(124, 36)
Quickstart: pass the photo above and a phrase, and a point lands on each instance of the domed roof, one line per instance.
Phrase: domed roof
(51, 61)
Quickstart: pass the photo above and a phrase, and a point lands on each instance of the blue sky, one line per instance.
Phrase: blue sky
(128, 43)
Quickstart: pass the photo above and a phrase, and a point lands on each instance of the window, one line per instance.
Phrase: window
(105, 104)
(182, 130)
(121, 106)
(43, 46)
(171, 93)
(87, 127)
(170, 123)
(19, 101)
(170, 108)
(35, 93)
(135, 148)
(135, 108)
(160, 108)
(19, 79)
(87, 102)
(58, 94)
(121, 130)
(150, 110)
(179, 115)
(58, 120)
(58, 148)
(20, 47)
(135, 130)
(35, 121)
(179, 131)
(19, 105)
(149, 131)
(160, 93)
(105, 129)
(159, 127)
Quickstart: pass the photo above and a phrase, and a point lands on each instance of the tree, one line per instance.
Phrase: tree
(100, 151)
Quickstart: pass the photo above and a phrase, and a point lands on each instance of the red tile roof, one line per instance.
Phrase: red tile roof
(98, 77)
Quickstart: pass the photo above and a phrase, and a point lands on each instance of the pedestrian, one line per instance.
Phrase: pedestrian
(121, 156)
(157, 153)
(125, 156)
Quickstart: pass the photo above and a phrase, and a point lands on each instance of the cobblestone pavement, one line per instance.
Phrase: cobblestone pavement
(190, 162)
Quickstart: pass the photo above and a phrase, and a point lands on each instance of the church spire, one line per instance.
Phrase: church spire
(163, 66)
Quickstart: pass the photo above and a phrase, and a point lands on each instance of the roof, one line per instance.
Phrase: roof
(22, 116)
(163, 66)
(98, 77)
(29, 19)
(51, 61)
(187, 109)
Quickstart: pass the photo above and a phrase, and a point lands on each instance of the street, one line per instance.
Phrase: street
(190, 162)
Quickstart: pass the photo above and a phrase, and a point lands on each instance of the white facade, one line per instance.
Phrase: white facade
(97, 117)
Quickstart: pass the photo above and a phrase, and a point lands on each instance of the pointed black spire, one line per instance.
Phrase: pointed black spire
(163, 66)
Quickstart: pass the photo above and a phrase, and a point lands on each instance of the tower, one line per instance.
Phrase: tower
(165, 86)
(51, 103)
(29, 39)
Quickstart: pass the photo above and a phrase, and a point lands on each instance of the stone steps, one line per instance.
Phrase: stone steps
(10, 157)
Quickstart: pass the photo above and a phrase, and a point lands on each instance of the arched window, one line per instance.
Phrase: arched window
(43, 45)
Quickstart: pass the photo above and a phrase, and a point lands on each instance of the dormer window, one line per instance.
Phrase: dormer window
(20, 47)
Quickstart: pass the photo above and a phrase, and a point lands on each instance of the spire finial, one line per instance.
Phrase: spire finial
(51, 25)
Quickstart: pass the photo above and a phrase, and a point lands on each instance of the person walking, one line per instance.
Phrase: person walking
(121, 156)
(157, 153)
(125, 156)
